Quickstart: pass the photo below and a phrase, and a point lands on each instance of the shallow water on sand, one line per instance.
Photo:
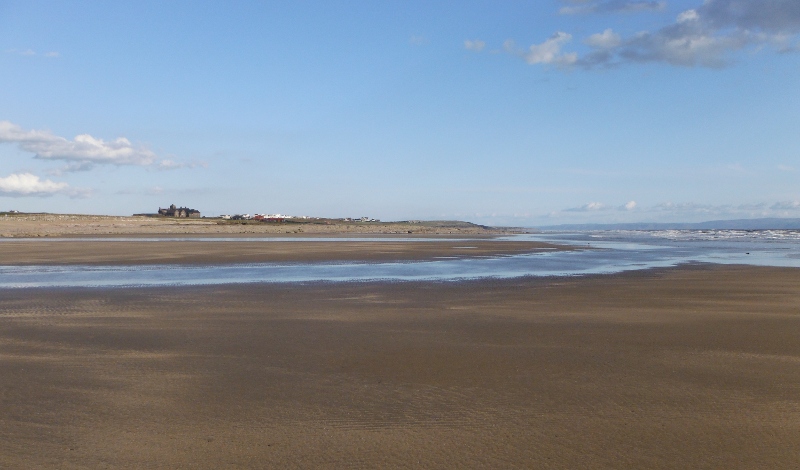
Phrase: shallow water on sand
(606, 252)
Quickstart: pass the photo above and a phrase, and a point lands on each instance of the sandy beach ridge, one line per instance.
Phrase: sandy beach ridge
(22, 225)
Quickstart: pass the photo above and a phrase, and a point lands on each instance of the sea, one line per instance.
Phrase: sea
(600, 252)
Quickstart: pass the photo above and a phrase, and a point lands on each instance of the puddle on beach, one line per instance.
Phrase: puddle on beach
(611, 252)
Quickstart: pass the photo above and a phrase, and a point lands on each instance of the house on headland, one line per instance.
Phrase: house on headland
(173, 211)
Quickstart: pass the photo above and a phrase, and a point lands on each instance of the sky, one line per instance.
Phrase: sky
(498, 112)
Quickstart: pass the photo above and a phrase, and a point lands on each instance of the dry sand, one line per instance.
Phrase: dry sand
(681, 368)
(61, 225)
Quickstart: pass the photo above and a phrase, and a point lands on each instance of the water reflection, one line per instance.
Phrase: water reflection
(609, 252)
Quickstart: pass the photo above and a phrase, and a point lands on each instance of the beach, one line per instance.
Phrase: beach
(400, 235)
(689, 367)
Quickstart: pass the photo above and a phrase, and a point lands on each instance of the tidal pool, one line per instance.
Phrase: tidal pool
(606, 252)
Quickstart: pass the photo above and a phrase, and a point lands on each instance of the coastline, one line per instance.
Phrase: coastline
(681, 367)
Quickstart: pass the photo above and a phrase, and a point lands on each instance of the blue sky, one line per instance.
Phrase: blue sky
(497, 112)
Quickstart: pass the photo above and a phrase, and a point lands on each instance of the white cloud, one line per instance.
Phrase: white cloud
(84, 148)
(548, 52)
(52, 54)
(785, 168)
(475, 45)
(84, 151)
(27, 184)
(608, 39)
(630, 206)
(688, 15)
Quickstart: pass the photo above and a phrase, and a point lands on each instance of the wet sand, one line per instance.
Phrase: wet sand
(107, 251)
(679, 368)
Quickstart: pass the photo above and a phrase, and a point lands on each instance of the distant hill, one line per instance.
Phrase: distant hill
(738, 224)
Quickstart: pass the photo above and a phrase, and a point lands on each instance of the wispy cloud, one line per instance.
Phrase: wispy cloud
(27, 184)
(689, 207)
(675, 211)
(475, 45)
(785, 168)
(590, 207)
(71, 167)
(32, 53)
(576, 7)
(548, 52)
(786, 206)
(21, 52)
(173, 165)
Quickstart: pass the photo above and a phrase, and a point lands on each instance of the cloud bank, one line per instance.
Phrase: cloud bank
(705, 36)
